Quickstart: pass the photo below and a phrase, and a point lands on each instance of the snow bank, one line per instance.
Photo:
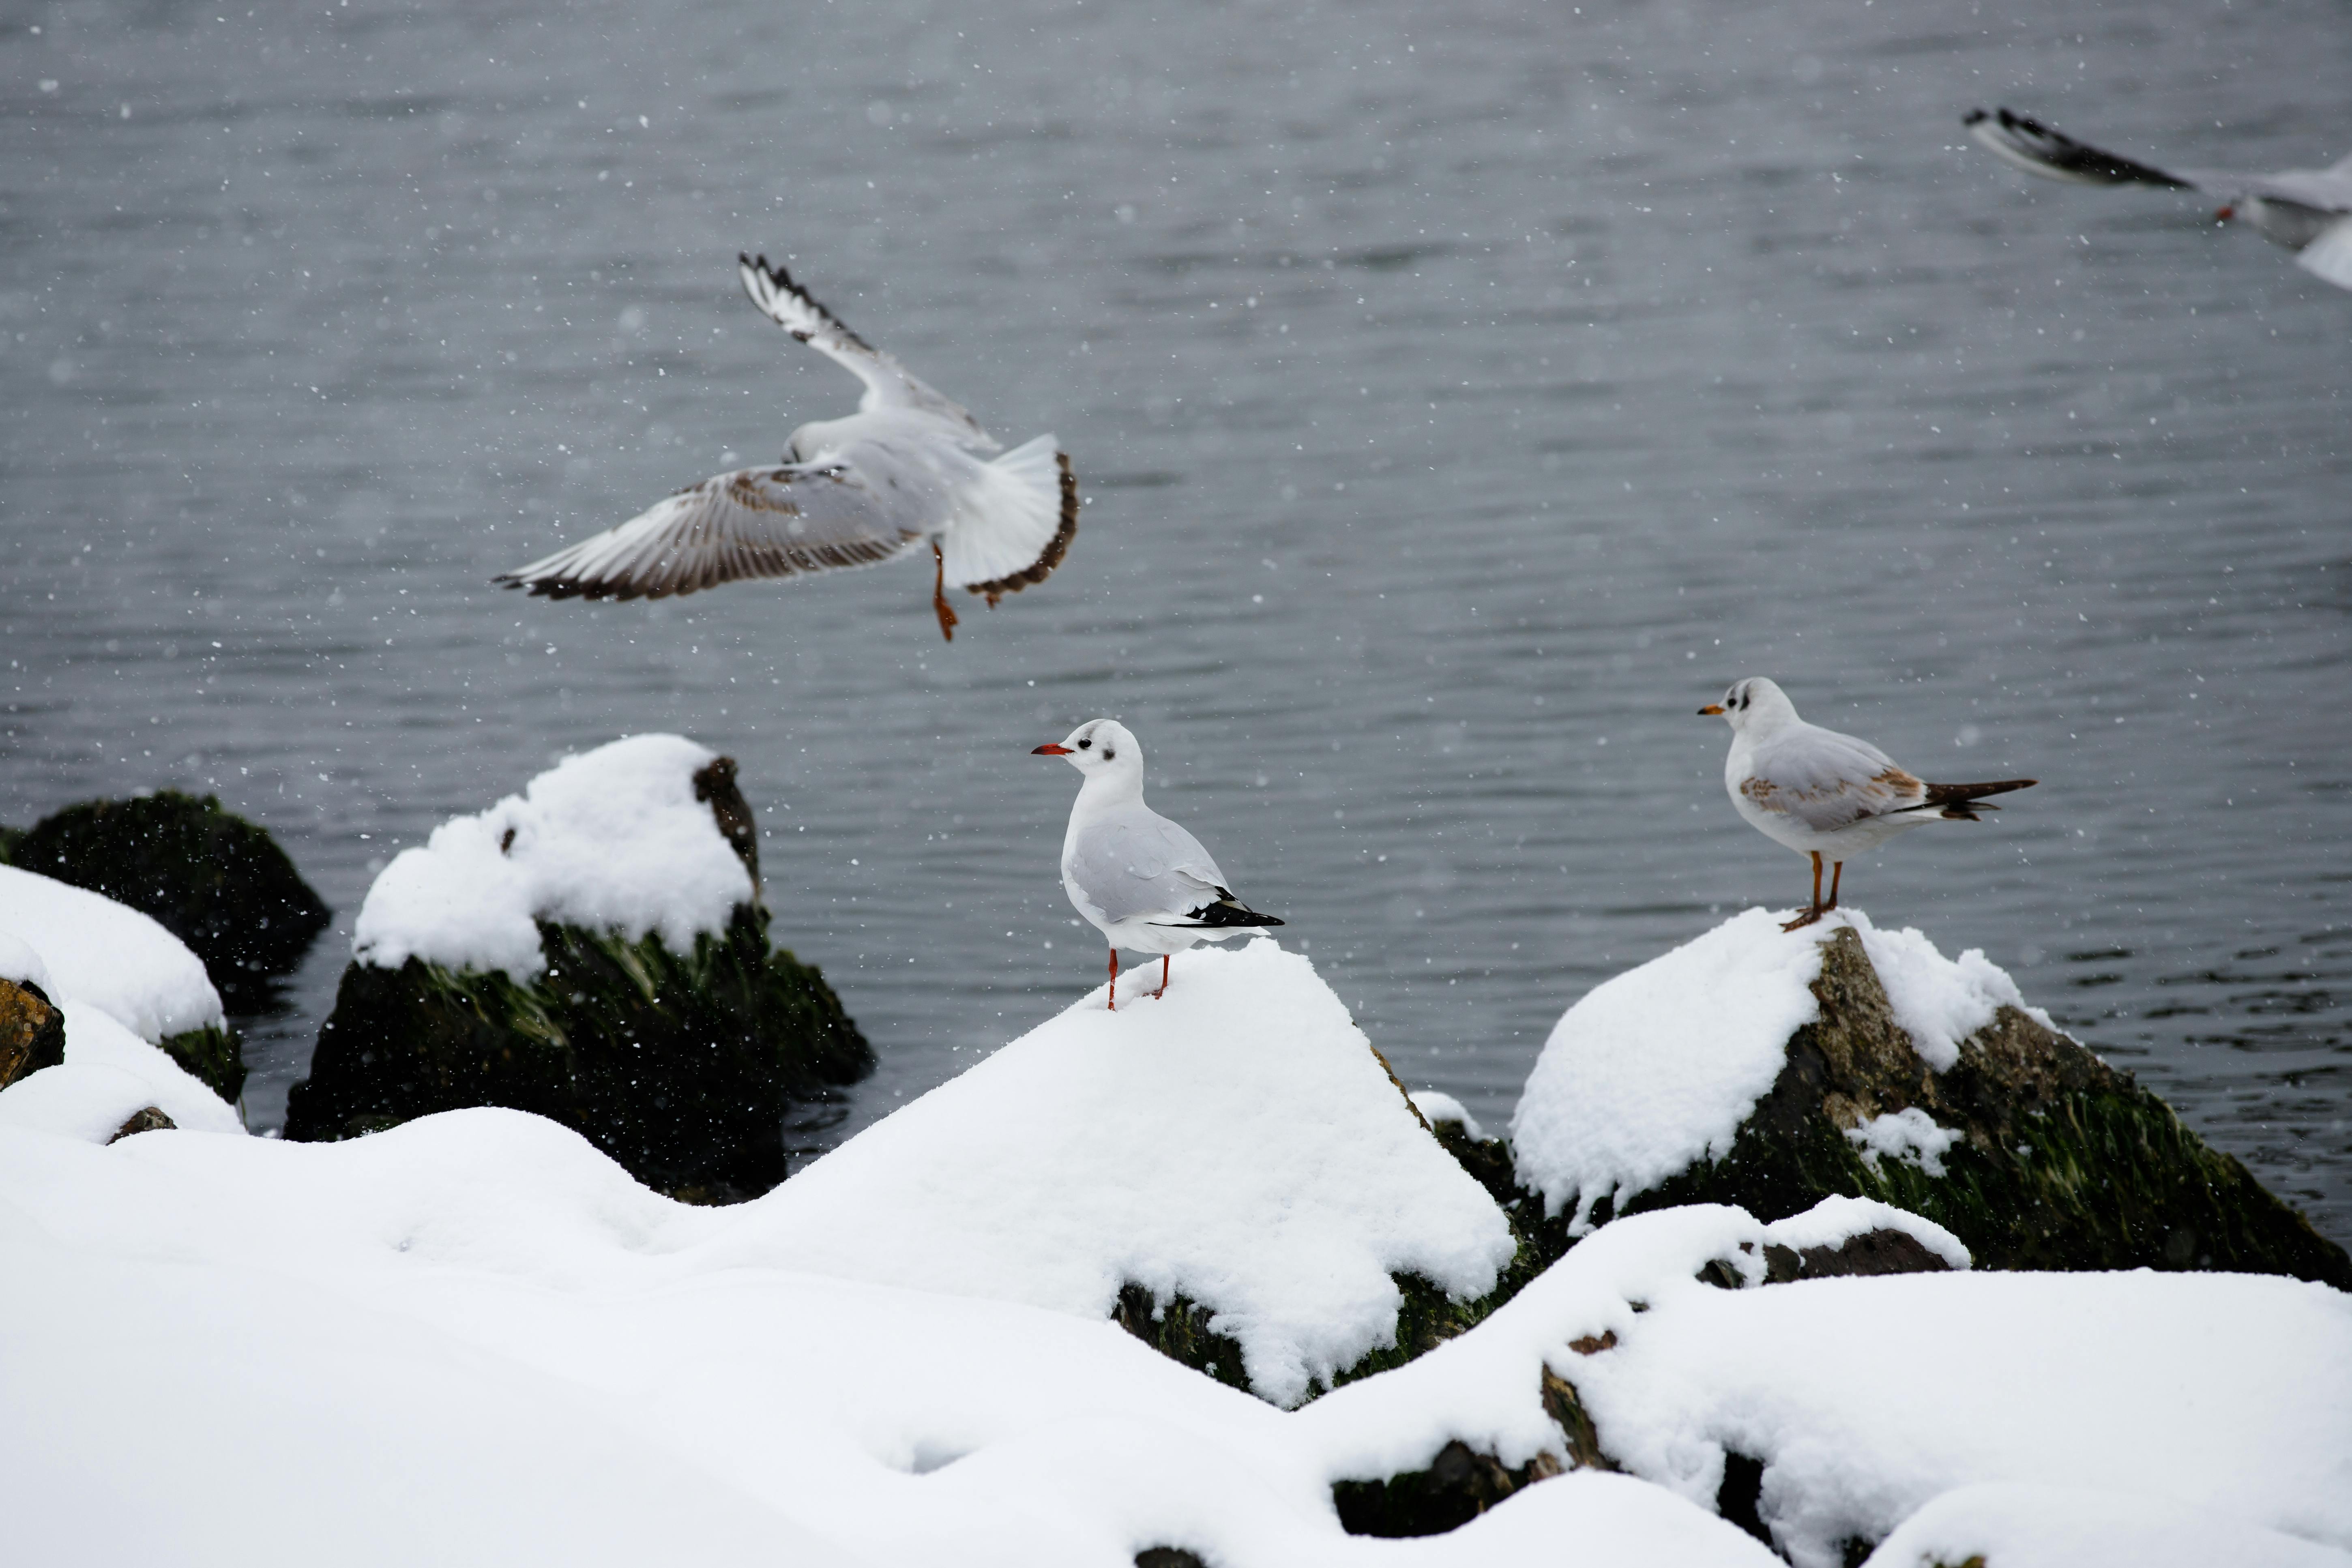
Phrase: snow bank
(108, 956)
(1438, 1108)
(611, 840)
(2024, 1526)
(20, 963)
(1654, 1071)
(1235, 1141)
(1866, 1398)
(110, 1075)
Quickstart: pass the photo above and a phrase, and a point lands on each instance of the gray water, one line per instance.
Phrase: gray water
(1462, 395)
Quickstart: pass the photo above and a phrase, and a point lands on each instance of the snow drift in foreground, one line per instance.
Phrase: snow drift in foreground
(1236, 1142)
(2019, 1525)
(1654, 1069)
(109, 955)
(612, 839)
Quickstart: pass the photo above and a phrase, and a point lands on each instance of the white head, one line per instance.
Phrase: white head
(1752, 705)
(1100, 749)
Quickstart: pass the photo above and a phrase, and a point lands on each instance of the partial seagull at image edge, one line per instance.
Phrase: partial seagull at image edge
(2308, 211)
(1821, 793)
(900, 473)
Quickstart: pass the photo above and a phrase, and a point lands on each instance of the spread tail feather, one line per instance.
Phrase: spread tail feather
(1018, 521)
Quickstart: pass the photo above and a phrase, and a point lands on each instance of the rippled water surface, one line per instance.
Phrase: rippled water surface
(1461, 395)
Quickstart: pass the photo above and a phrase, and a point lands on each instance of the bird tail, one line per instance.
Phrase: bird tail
(2040, 148)
(1227, 912)
(1018, 518)
(1961, 801)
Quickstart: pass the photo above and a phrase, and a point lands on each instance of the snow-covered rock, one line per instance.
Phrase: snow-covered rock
(108, 956)
(593, 950)
(2023, 1525)
(1236, 1143)
(1768, 1069)
(20, 963)
(617, 839)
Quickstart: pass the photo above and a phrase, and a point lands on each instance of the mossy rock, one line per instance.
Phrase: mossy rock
(212, 1054)
(681, 1068)
(214, 880)
(2064, 1162)
(32, 1032)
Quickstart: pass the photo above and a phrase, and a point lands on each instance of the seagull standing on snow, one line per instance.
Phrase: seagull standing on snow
(900, 473)
(1144, 882)
(1821, 793)
(2309, 211)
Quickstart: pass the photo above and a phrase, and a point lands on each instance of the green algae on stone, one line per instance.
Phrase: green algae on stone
(681, 1068)
(212, 1054)
(2063, 1163)
(218, 882)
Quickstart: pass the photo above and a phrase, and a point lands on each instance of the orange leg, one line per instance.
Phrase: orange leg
(939, 605)
(1837, 875)
(1810, 916)
(1163, 977)
(1114, 980)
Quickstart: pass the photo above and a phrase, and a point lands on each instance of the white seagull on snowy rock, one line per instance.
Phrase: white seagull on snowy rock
(900, 473)
(2309, 211)
(1143, 881)
(1821, 793)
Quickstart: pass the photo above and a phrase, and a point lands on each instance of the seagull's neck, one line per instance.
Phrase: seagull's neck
(1108, 787)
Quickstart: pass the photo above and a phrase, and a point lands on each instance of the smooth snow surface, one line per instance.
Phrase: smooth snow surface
(1867, 1398)
(1654, 1069)
(613, 840)
(2025, 1526)
(108, 956)
(20, 963)
(1235, 1141)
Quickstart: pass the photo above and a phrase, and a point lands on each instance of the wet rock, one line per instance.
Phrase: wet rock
(218, 882)
(151, 1119)
(32, 1032)
(2058, 1160)
(682, 1067)
(1167, 1557)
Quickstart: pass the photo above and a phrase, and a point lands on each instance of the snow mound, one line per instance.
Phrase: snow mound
(2025, 1526)
(611, 840)
(109, 1076)
(1236, 1142)
(1838, 1219)
(1866, 1398)
(20, 963)
(1437, 1108)
(1653, 1071)
(108, 956)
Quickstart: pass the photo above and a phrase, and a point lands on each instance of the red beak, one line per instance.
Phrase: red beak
(1051, 750)
(2226, 213)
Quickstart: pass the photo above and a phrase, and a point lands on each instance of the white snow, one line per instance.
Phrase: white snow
(1867, 1398)
(1654, 1069)
(20, 963)
(1910, 1135)
(1236, 1142)
(612, 840)
(110, 1075)
(1436, 1107)
(108, 956)
(2020, 1525)
(1837, 1219)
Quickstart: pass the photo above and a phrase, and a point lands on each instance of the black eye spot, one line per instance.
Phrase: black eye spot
(1108, 753)
(1083, 744)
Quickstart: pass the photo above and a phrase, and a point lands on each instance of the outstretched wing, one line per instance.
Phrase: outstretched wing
(2039, 149)
(889, 383)
(753, 522)
(1827, 781)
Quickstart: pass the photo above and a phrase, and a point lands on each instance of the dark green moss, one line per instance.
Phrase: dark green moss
(214, 880)
(213, 1055)
(10, 838)
(681, 1068)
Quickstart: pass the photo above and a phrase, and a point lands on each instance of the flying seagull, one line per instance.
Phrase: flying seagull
(2309, 211)
(1821, 793)
(1143, 881)
(900, 473)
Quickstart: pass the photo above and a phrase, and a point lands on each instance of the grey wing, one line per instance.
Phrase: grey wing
(753, 522)
(1828, 781)
(2042, 150)
(889, 383)
(1139, 863)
